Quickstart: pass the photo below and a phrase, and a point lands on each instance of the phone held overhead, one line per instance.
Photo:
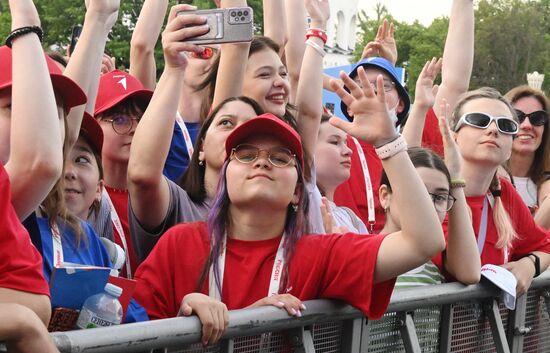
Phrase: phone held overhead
(227, 25)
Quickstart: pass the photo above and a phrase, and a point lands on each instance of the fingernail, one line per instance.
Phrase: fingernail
(299, 313)
(293, 311)
(303, 306)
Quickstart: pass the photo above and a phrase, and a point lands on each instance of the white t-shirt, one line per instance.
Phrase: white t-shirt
(527, 190)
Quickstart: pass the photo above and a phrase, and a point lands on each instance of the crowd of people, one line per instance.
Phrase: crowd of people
(226, 184)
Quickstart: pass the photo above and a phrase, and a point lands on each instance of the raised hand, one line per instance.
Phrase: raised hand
(383, 45)
(107, 10)
(319, 10)
(328, 219)
(23, 13)
(178, 29)
(372, 122)
(290, 303)
(425, 89)
(453, 159)
(212, 313)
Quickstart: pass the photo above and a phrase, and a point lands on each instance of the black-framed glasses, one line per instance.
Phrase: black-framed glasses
(279, 157)
(537, 118)
(443, 202)
(505, 125)
(121, 123)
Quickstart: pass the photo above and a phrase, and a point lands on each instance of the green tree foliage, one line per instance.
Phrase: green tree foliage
(58, 17)
(512, 38)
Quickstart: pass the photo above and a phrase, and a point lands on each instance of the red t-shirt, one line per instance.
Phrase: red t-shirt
(21, 264)
(323, 266)
(530, 236)
(120, 201)
(352, 193)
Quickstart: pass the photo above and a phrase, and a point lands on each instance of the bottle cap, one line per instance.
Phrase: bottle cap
(113, 290)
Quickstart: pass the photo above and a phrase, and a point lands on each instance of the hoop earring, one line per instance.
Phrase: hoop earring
(201, 162)
(294, 208)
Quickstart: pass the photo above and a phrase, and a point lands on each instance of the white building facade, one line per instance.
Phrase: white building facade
(342, 32)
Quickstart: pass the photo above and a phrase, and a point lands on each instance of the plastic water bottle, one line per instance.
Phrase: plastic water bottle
(102, 309)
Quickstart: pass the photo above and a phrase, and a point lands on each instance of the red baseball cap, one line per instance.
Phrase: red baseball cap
(67, 89)
(91, 130)
(116, 86)
(266, 124)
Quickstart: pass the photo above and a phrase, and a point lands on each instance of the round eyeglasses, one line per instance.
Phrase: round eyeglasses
(278, 157)
(121, 123)
(442, 202)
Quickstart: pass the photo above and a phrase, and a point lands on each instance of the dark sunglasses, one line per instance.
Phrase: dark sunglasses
(538, 118)
(505, 125)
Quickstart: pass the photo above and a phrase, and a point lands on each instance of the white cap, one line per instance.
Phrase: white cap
(503, 279)
(113, 290)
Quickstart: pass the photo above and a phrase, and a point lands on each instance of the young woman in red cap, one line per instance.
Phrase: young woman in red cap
(121, 102)
(259, 215)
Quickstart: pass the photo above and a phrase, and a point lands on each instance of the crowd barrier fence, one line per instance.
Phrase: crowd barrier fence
(449, 317)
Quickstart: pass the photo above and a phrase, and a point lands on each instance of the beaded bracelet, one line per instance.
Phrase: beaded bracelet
(458, 183)
(16, 33)
(319, 33)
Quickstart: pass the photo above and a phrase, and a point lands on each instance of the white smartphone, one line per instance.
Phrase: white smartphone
(227, 25)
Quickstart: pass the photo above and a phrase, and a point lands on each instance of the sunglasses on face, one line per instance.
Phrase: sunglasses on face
(278, 157)
(504, 124)
(538, 118)
(206, 54)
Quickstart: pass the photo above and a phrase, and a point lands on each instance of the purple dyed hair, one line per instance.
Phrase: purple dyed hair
(218, 223)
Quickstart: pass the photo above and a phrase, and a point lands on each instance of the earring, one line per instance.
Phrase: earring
(201, 162)
(294, 208)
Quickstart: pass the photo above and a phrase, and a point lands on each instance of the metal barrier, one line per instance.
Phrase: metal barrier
(441, 318)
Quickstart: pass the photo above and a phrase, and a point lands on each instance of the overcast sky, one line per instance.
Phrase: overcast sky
(409, 10)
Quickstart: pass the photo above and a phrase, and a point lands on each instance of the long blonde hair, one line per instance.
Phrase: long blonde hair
(503, 223)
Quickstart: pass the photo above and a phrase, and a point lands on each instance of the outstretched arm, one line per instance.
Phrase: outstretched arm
(424, 99)
(458, 56)
(146, 184)
(295, 13)
(233, 59)
(421, 235)
(462, 258)
(310, 88)
(275, 22)
(84, 66)
(35, 158)
(144, 39)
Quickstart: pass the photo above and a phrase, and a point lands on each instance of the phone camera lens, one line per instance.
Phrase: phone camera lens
(243, 18)
(240, 13)
(245, 13)
(233, 13)
(236, 19)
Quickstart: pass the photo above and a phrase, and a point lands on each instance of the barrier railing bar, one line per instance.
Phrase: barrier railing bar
(352, 335)
(446, 328)
(408, 332)
(546, 295)
(182, 331)
(516, 325)
(227, 346)
(497, 329)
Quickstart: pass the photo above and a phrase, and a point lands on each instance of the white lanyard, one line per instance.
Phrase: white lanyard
(482, 233)
(368, 184)
(185, 133)
(118, 226)
(276, 272)
(57, 246)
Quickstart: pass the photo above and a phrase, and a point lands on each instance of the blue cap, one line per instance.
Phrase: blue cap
(387, 67)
